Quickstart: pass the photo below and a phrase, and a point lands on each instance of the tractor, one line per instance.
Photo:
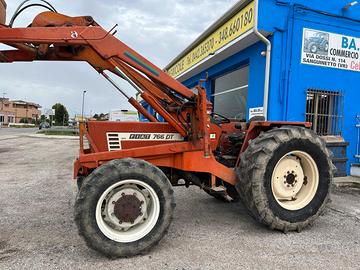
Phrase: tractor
(318, 43)
(126, 171)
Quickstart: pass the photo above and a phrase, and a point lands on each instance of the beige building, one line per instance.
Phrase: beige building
(12, 111)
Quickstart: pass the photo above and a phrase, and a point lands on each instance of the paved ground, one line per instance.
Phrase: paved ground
(37, 229)
(6, 132)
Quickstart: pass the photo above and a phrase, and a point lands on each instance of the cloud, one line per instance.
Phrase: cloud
(157, 29)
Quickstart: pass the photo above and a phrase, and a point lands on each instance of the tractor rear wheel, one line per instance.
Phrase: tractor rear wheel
(285, 178)
(124, 208)
(79, 181)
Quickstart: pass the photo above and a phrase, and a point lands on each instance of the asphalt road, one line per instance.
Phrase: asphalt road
(37, 229)
(16, 131)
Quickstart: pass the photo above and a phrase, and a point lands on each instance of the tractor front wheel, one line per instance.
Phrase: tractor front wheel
(124, 208)
(313, 48)
(285, 178)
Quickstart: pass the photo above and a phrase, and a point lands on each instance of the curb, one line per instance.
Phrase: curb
(53, 137)
(349, 181)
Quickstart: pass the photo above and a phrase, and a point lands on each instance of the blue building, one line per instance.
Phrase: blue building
(290, 60)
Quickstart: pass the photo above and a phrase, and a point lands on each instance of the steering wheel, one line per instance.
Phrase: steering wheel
(222, 119)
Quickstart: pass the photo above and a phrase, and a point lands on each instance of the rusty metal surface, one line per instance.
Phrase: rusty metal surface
(2, 11)
(51, 19)
(127, 208)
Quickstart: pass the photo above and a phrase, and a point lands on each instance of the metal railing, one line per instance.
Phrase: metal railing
(325, 110)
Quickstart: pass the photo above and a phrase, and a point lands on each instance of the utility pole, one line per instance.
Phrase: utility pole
(83, 104)
(2, 101)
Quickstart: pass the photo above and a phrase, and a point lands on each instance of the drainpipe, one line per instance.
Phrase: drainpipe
(268, 59)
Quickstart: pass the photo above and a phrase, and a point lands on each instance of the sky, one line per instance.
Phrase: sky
(157, 29)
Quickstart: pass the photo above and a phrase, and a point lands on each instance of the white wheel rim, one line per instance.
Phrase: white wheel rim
(126, 232)
(295, 180)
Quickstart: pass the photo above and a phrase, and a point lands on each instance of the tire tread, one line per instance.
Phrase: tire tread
(252, 168)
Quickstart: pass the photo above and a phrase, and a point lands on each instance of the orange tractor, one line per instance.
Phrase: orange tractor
(126, 171)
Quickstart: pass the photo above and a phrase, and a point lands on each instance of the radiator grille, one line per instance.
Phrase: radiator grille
(114, 143)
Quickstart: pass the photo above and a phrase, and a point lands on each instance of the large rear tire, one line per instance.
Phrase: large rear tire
(124, 208)
(285, 178)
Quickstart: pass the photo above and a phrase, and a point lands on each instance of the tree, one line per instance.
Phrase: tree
(24, 121)
(61, 115)
(99, 117)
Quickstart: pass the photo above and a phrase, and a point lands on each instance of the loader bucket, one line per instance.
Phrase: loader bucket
(2, 12)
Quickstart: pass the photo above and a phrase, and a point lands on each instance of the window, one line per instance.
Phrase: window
(2, 119)
(11, 119)
(230, 94)
(324, 109)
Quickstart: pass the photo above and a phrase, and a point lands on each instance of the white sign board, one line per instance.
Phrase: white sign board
(48, 112)
(259, 111)
(330, 50)
(124, 116)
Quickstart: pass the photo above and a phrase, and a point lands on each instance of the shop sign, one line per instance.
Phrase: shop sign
(259, 111)
(330, 50)
(239, 24)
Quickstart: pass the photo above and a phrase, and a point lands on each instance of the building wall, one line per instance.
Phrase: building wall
(19, 111)
(29, 112)
(290, 79)
(250, 56)
(6, 117)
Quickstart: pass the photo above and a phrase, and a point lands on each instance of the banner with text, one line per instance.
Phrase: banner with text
(239, 24)
(330, 50)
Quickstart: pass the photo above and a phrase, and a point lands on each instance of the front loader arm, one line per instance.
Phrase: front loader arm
(68, 31)
(53, 36)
